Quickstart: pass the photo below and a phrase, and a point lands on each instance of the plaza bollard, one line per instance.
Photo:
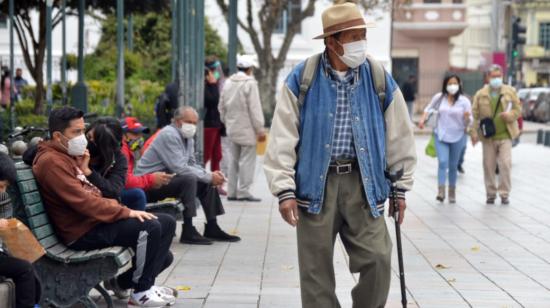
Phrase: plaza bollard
(547, 138)
(540, 136)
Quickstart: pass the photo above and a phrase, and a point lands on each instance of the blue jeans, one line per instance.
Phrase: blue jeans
(448, 155)
(134, 198)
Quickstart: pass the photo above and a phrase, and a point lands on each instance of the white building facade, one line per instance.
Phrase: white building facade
(92, 34)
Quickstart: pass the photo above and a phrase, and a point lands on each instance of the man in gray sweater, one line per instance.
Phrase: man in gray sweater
(173, 151)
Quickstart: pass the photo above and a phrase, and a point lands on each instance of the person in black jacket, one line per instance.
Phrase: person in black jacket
(108, 166)
(213, 126)
(409, 94)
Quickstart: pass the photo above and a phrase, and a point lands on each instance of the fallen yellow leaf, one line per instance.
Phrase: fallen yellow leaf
(183, 288)
(451, 280)
(475, 249)
(441, 266)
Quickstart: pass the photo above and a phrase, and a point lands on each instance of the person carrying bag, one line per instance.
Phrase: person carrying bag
(453, 116)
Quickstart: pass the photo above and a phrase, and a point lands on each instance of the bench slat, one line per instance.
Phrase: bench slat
(49, 241)
(67, 254)
(24, 174)
(28, 186)
(38, 220)
(124, 257)
(83, 255)
(57, 249)
(42, 232)
(31, 198)
(35, 209)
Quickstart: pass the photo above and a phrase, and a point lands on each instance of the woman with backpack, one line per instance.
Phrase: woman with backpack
(453, 112)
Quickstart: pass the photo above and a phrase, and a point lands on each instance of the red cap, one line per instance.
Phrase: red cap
(131, 124)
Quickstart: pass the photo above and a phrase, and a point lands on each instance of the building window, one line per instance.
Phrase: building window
(3, 21)
(289, 15)
(544, 35)
(457, 1)
(432, 1)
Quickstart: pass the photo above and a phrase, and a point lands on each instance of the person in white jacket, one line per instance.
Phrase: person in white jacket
(241, 112)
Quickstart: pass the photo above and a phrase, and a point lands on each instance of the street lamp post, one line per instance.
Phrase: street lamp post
(174, 39)
(120, 57)
(79, 93)
(12, 92)
(190, 38)
(49, 4)
(232, 48)
(64, 51)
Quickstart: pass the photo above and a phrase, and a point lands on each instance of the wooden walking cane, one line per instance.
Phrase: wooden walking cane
(394, 177)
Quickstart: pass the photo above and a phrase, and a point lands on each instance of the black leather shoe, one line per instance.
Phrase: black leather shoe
(490, 200)
(460, 169)
(232, 199)
(505, 200)
(214, 232)
(250, 199)
(190, 235)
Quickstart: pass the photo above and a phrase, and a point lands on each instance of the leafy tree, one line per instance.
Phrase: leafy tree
(151, 56)
(32, 38)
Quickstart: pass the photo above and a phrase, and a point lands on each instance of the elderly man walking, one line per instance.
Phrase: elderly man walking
(241, 112)
(496, 110)
(330, 144)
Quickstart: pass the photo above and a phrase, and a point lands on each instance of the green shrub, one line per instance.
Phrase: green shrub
(140, 100)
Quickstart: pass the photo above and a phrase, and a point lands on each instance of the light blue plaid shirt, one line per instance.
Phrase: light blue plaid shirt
(342, 142)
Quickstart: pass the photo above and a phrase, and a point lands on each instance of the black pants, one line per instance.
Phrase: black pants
(27, 287)
(187, 189)
(150, 240)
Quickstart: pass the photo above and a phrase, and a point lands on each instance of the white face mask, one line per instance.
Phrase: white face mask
(452, 89)
(496, 82)
(188, 130)
(355, 53)
(77, 145)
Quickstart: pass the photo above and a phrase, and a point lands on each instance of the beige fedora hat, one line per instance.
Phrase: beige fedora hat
(341, 17)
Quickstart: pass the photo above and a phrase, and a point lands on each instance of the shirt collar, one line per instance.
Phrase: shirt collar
(350, 75)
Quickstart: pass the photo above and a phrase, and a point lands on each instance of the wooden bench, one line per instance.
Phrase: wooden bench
(67, 275)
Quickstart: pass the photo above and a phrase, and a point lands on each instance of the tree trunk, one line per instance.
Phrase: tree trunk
(267, 75)
(268, 92)
(40, 53)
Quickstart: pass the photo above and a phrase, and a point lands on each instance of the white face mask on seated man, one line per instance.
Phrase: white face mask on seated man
(188, 130)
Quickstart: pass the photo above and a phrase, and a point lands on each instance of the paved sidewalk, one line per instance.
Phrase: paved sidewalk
(463, 255)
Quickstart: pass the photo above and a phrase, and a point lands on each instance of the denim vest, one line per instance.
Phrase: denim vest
(316, 131)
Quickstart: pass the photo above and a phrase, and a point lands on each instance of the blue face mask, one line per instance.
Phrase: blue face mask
(496, 82)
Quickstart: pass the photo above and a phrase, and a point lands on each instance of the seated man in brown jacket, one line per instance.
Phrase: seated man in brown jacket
(85, 220)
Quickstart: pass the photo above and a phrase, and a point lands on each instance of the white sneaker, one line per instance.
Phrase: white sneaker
(149, 298)
(166, 293)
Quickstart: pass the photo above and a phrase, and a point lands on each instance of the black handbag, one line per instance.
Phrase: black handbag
(487, 125)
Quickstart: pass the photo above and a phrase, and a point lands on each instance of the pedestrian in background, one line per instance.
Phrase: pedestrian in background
(496, 110)
(241, 112)
(454, 115)
(212, 124)
(19, 82)
(409, 93)
(5, 85)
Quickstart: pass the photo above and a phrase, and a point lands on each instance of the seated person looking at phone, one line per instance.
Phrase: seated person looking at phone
(173, 152)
